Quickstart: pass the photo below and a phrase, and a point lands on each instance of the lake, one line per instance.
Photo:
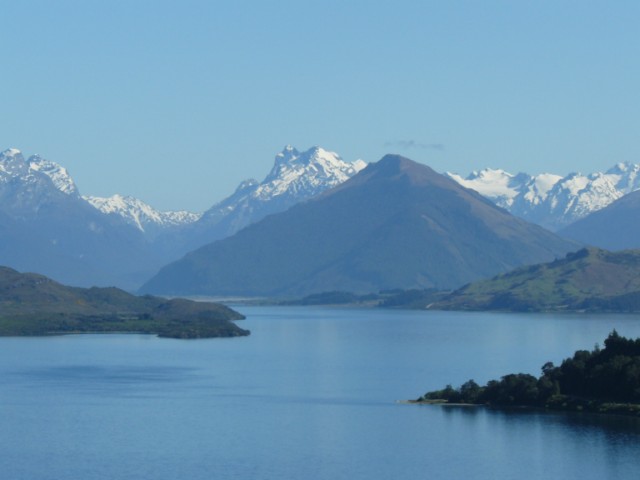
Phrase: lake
(312, 393)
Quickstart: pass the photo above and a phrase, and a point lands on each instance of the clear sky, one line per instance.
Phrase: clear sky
(176, 102)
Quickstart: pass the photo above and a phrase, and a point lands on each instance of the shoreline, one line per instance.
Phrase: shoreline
(566, 405)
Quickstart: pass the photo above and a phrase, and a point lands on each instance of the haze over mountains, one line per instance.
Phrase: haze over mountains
(47, 226)
(397, 224)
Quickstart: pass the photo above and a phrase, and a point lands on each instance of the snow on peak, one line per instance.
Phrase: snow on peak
(308, 172)
(36, 169)
(621, 167)
(12, 163)
(57, 173)
(10, 152)
(493, 183)
(296, 176)
(140, 214)
(551, 200)
(359, 164)
(287, 155)
(626, 176)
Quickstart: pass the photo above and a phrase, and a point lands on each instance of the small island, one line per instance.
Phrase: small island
(34, 305)
(603, 380)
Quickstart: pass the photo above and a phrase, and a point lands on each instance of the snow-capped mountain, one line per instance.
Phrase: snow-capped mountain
(27, 185)
(296, 176)
(140, 214)
(58, 174)
(36, 170)
(47, 227)
(303, 175)
(551, 200)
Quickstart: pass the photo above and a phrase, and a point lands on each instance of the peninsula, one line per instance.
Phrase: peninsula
(603, 380)
(32, 304)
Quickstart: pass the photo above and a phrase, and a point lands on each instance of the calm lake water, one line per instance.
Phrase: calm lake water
(310, 394)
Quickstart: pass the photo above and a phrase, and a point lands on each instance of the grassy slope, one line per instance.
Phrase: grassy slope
(590, 280)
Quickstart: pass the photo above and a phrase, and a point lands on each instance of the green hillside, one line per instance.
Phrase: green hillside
(588, 280)
(32, 304)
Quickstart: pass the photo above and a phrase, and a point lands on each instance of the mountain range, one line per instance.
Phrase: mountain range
(396, 224)
(47, 226)
(142, 215)
(550, 200)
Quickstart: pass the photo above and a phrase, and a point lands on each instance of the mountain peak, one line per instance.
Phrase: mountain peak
(392, 165)
(36, 169)
(293, 166)
(489, 174)
(290, 157)
(295, 176)
(10, 152)
(287, 154)
(622, 167)
(12, 163)
(396, 161)
(57, 173)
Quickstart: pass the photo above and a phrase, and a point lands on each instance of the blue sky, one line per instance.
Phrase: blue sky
(177, 102)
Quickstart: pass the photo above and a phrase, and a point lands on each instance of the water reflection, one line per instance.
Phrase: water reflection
(616, 427)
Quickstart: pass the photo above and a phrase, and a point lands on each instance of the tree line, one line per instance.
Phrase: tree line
(596, 380)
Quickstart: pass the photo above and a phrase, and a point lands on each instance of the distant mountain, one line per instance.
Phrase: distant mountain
(24, 184)
(551, 200)
(13, 167)
(396, 224)
(43, 211)
(295, 177)
(615, 227)
(587, 280)
(46, 226)
(142, 215)
(32, 304)
(58, 174)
